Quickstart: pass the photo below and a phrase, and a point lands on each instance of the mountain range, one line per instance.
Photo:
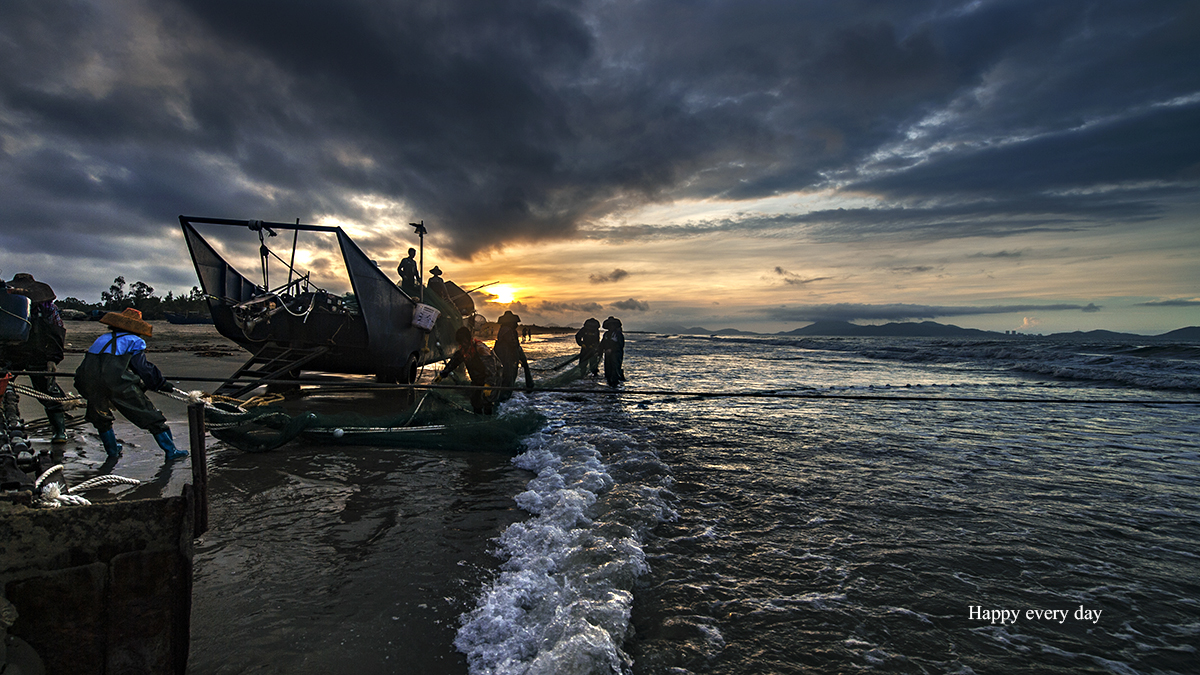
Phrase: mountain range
(931, 329)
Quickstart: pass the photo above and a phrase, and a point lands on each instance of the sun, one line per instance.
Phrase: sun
(503, 294)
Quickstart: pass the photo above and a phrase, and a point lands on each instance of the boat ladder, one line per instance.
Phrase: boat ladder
(271, 362)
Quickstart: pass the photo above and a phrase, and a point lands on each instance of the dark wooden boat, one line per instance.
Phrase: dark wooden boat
(187, 318)
(298, 326)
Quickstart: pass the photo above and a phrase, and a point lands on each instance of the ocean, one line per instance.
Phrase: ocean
(892, 505)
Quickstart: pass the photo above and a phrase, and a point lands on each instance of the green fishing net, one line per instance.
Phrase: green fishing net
(440, 419)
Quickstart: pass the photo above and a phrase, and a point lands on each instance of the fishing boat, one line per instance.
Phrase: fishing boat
(376, 329)
(189, 318)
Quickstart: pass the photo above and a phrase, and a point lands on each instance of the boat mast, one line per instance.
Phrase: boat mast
(420, 230)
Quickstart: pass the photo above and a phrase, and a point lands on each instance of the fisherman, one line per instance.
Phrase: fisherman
(612, 345)
(482, 366)
(409, 274)
(588, 339)
(508, 350)
(116, 374)
(43, 350)
(436, 284)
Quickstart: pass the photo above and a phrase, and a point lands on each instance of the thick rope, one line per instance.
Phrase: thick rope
(33, 393)
(772, 393)
(103, 481)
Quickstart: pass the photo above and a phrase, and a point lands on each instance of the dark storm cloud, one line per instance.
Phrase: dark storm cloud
(506, 120)
(615, 275)
(975, 218)
(904, 312)
(549, 307)
(997, 254)
(632, 305)
(796, 280)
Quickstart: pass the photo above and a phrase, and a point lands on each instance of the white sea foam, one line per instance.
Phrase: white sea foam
(561, 603)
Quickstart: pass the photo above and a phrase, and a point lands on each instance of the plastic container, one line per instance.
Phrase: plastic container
(424, 317)
(14, 317)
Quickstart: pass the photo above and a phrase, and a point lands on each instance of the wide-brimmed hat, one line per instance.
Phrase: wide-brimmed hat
(612, 323)
(129, 320)
(508, 317)
(435, 271)
(36, 291)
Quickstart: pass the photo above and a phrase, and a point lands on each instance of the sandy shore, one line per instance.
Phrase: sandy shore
(180, 352)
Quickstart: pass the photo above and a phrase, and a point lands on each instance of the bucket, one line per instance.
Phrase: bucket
(4, 382)
(14, 317)
(424, 317)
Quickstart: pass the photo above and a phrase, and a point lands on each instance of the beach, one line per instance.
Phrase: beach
(744, 504)
(314, 559)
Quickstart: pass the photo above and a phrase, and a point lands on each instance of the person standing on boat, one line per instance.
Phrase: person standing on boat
(612, 345)
(43, 350)
(588, 339)
(482, 366)
(508, 350)
(436, 284)
(116, 374)
(410, 276)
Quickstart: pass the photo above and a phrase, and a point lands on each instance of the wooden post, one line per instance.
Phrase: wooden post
(199, 466)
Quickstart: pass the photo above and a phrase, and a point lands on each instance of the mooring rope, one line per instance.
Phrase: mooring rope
(809, 395)
(107, 480)
(33, 393)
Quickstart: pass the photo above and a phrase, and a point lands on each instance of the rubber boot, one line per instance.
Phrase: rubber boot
(168, 445)
(111, 446)
(58, 427)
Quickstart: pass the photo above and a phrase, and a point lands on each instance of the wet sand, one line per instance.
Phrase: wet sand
(318, 559)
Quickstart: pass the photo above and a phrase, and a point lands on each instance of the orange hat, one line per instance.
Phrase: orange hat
(129, 320)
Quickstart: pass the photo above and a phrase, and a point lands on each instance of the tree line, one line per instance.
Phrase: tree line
(141, 297)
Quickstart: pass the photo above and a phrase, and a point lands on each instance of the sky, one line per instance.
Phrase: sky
(750, 164)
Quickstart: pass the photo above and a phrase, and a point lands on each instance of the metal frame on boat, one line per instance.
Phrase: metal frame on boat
(298, 326)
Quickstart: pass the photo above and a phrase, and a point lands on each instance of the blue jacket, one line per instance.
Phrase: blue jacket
(128, 343)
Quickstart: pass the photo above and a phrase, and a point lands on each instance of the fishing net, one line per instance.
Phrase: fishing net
(390, 418)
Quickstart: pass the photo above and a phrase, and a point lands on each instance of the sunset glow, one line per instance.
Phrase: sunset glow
(847, 164)
(503, 294)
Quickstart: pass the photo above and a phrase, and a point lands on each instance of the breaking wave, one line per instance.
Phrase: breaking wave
(562, 600)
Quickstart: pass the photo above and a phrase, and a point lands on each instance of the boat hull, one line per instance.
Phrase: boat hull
(372, 335)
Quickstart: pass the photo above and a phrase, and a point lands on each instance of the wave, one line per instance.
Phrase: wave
(561, 603)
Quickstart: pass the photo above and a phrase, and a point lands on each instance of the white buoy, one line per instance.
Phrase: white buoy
(338, 433)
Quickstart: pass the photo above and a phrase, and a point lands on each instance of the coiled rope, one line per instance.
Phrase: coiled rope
(53, 496)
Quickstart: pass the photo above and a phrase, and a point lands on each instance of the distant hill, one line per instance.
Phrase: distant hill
(932, 329)
(922, 329)
(1190, 334)
(698, 330)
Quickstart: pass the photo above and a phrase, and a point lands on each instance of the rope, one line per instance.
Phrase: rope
(773, 393)
(103, 481)
(374, 430)
(770, 393)
(37, 484)
(33, 393)
(53, 497)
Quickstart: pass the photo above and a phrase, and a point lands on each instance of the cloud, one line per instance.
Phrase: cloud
(510, 121)
(795, 280)
(615, 275)
(1178, 302)
(632, 305)
(904, 312)
(548, 307)
(997, 254)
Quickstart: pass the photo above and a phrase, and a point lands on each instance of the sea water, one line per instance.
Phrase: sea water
(878, 505)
